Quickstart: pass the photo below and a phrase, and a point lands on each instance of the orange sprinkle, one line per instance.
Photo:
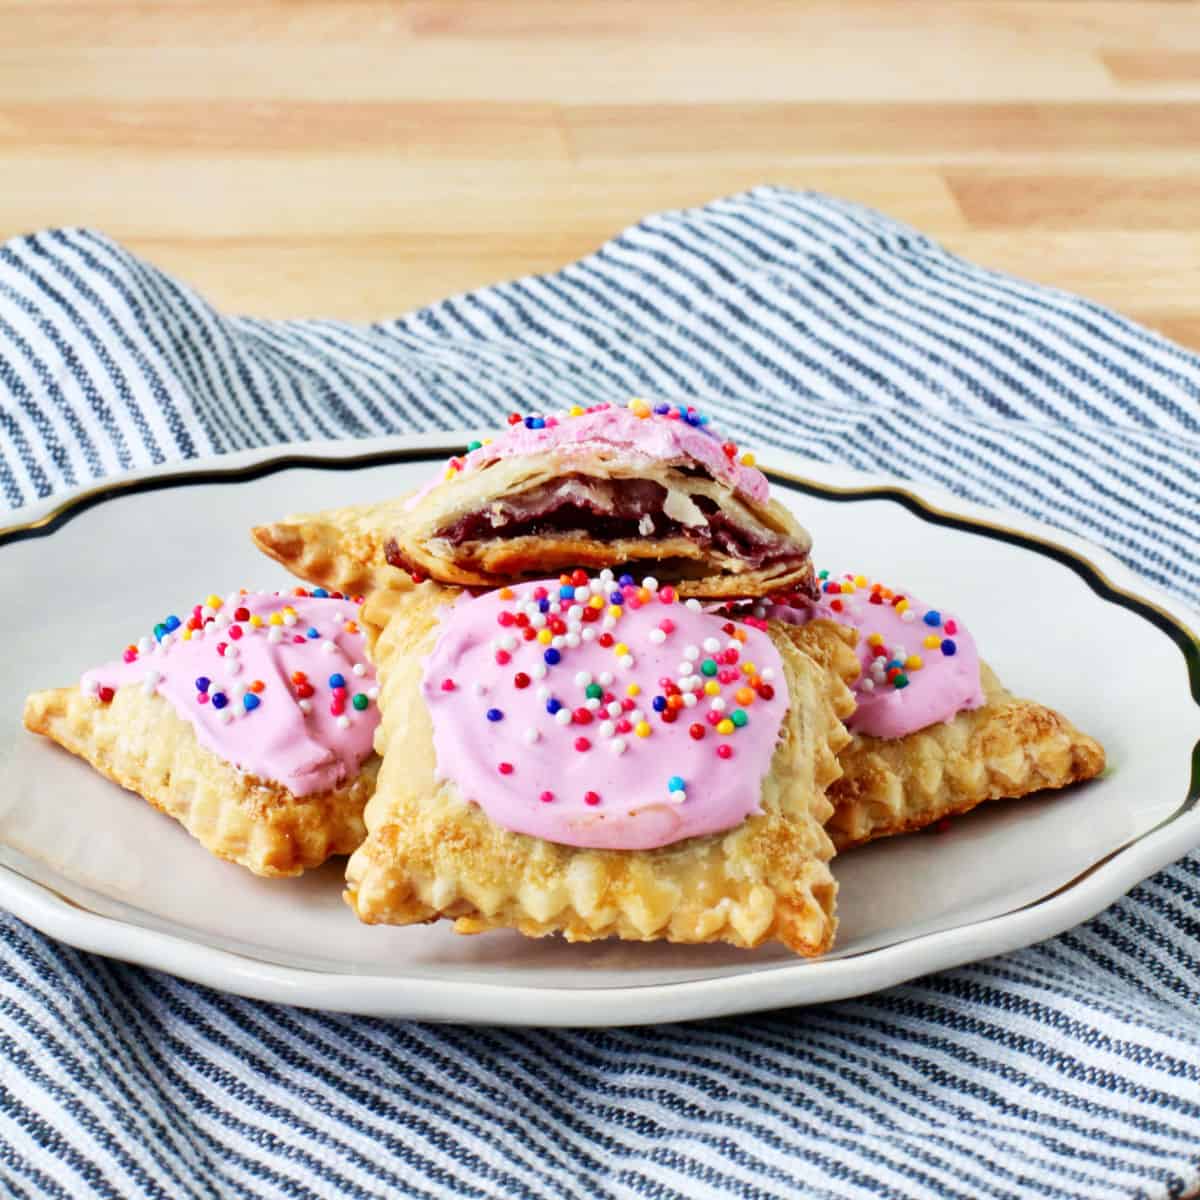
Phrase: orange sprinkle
(299, 677)
(257, 685)
(351, 627)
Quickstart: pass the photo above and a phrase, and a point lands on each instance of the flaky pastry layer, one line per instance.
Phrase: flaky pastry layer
(429, 854)
(1007, 749)
(140, 742)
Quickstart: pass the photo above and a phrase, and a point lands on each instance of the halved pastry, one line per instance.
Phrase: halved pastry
(606, 487)
(250, 722)
(934, 733)
(597, 761)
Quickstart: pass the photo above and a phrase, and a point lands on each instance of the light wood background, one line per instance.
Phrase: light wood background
(353, 158)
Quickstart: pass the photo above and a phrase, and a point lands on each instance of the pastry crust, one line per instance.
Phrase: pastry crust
(1004, 750)
(140, 742)
(429, 854)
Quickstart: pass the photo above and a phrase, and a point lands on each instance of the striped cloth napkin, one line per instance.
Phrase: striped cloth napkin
(1071, 1069)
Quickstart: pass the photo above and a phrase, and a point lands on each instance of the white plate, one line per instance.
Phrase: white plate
(1059, 619)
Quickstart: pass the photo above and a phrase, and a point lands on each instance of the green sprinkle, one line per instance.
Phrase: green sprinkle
(360, 701)
(901, 681)
(708, 667)
(738, 717)
(473, 446)
(593, 691)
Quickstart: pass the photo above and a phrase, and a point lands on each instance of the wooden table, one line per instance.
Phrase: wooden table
(356, 159)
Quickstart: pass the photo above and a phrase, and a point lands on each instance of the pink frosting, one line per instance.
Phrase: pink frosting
(589, 779)
(605, 428)
(946, 681)
(266, 733)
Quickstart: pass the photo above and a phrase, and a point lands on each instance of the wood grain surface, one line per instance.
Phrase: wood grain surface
(354, 158)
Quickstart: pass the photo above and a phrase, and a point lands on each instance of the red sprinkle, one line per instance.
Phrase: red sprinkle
(241, 614)
(724, 750)
(546, 797)
(605, 639)
(583, 716)
(304, 690)
(106, 694)
(514, 418)
(201, 697)
(579, 578)
(697, 731)
(522, 619)
(506, 618)
(836, 605)
(713, 717)
(520, 679)
(729, 448)
(235, 632)
(875, 598)
(503, 657)
(766, 691)
(669, 715)
(623, 726)
(667, 626)
(529, 633)
(591, 798)
(447, 684)
(582, 744)
(628, 704)
(951, 628)
(129, 655)
(505, 768)
(221, 648)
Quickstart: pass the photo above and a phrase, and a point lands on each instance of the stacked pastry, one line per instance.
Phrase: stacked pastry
(613, 699)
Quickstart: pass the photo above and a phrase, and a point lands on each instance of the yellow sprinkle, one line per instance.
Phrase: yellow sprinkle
(289, 611)
(633, 690)
(876, 639)
(256, 620)
(639, 407)
(932, 642)
(574, 411)
(276, 618)
(448, 475)
(486, 442)
(614, 610)
(187, 634)
(748, 459)
(744, 695)
(620, 649)
(712, 688)
(545, 637)
(748, 668)
(642, 729)
(506, 593)
(596, 602)
(901, 606)
(726, 726)
(913, 663)
(848, 588)
(213, 601)
(860, 581)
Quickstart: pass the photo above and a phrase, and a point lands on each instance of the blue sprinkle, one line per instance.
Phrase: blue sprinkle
(337, 681)
(494, 714)
(311, 632)
(626, 581)
(933, 617)
(160, 631)
(553, 705)
(543, 606)
(320, 593)
(895, 663)
(675, 784)
(219, 700)
(691, 418)
(202, 683)
(616, 597)
(662, 409)
(552, 656)
(250, 702)
(566, 592)
(949, 649)
(172, 623)
(659, 703)
(535, 423)
(702, 419)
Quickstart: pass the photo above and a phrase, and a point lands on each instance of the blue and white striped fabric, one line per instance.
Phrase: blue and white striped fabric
(1071, 1069)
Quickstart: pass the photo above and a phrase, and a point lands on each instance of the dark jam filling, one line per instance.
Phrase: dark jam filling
(612, 510)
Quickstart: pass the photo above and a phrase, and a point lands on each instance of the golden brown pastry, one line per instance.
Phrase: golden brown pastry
(567, 784)
(251, 723)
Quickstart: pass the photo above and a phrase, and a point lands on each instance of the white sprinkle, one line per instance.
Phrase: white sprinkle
(711, 645)
(144, 644)
(583, 678)
(617, 745)
(606, 575)
(343, 721)
(543, 693)
(150, 682)
(607, 728)
(558, 641)
(232, 651)
(717, 705)
(538, 620)
(538, 670)
(626, 661)
(908, 616)
(587, 634)
(207, 612)
(575, 612)
(592, 704)
(89, 686)
(604, 678)
(650, 583)
(691, 653)
(689, 700)
(614, 709)
(608, 622)
(583, 593)
(636, 716)
(373, 693)
(572, 640)
(508, 643)
(734, 644)
(531, 736)
(239, 687)
(689, 683)
(678, 797)
(288, 619)
(767, 673)
(657, 637)
(684, 669)
(868, 685)
(900, 653)
(563, 716)
(274, 635)
(328, 646)
(359, 668)
(692, 605)
(596, 587)
(233, 666)
(226, 716)
(305, 706)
